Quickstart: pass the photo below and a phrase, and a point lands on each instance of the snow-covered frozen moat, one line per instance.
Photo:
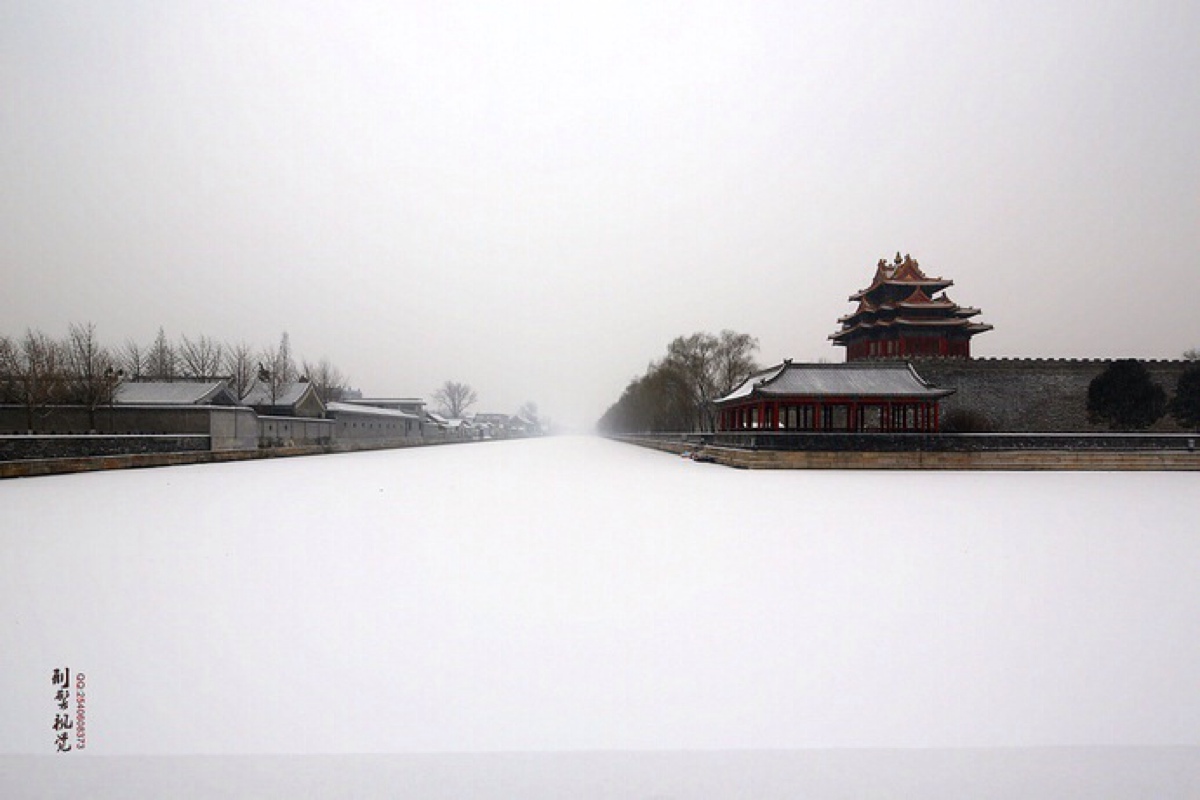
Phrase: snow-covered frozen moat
(579, 594)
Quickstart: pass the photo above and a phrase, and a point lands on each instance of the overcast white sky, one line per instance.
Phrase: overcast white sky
(536, 197)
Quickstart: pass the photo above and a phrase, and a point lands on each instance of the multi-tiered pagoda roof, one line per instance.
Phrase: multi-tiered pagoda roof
(902, 314)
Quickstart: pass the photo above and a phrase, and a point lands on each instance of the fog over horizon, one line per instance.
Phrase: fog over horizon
(535, 198)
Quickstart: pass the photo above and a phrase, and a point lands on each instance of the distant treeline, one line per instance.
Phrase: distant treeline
(38, 370)
(676, 392)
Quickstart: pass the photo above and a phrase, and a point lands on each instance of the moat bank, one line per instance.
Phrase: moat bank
(992, 452)
(30, 467)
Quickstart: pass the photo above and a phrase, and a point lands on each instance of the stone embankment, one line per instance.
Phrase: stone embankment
(59, 466)
(1102, 460)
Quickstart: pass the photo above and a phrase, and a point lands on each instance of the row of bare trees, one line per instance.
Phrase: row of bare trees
(38, 371)
(676, 392)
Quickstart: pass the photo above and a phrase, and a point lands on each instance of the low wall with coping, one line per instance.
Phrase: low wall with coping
(1184, 455)
(1044, 460)
(229, 427)
(59, 466)
(14, 448)
(294, 431)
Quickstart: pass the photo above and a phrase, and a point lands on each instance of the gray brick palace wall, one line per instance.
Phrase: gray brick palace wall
(1028, 394)
(229, 428)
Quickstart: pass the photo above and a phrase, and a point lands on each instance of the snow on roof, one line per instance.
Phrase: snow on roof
(747, 386)
(175, 393)
(895, 379)
(260, 394)
(365, 410)
(379, 401)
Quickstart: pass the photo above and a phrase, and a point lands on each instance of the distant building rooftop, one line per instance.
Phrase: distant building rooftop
(375, 411)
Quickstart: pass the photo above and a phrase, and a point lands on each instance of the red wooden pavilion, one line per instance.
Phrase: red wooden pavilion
(857, 397)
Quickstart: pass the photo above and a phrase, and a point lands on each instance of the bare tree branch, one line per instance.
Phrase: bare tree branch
(91, 374)
(327, 380)
(199, 359)
(162, 361)
(455, 398)
(241, 368)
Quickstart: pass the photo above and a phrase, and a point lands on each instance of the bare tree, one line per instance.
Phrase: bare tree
(91, 374)
(199, 359)
(277, 370)
(161, 359)
(455, 398)
(35, 367)
(676, 393)
(660, 400)
(710, 366)
(241, 368)
(1192, 355)
(735, 360)
(132, 360)
(9, 356)
(327, 380)
(529, 411)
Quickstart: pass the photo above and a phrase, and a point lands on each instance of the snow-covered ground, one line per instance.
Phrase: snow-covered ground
(578, 594)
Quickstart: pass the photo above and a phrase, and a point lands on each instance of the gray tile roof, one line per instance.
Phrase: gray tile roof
(367, 410)
(260, 394)
(174, 393)
(886, 379)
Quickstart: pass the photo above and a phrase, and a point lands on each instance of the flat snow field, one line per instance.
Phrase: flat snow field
(576, 594)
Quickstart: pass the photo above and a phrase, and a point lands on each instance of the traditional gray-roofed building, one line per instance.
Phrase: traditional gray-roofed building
(175, 393)
(356, 422)
(297, 399)
(411, 405)
(843, 397)
(439, 427)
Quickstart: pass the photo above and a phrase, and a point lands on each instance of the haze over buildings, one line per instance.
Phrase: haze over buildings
(535, 199)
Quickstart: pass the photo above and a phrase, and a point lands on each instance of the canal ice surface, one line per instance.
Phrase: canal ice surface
(576, 594)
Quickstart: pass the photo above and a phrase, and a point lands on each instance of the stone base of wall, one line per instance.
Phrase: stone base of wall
(1069, 460)
(19, 448)
(995, 460)
(60, 466)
